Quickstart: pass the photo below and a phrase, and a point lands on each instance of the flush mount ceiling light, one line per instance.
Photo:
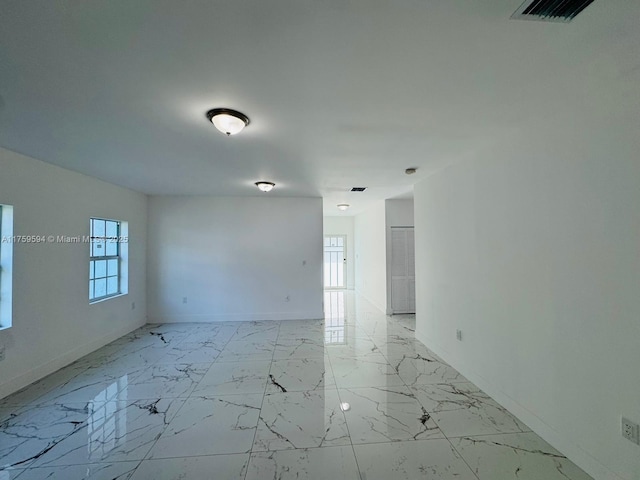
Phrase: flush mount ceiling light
(228, 121)
(343, 206)
(265, 186)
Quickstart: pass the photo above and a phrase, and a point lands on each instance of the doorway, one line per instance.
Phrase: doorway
(335, 259)
(403, 270)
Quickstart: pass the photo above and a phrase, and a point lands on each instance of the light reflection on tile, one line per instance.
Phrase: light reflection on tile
(81, 433)
(371, 370)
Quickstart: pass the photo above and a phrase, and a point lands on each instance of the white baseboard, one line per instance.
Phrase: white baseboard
(568, 448)
(57, 363)
(234, 317)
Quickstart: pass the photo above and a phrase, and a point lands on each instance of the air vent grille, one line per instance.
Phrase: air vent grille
(358, 189)
(551, 10)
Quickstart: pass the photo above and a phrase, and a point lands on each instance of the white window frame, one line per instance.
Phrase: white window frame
(121, 257)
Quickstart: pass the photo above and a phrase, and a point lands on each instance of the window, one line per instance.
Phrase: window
(6, 265)
(105, 263)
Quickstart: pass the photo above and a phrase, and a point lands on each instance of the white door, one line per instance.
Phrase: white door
(335, 259)
(403, 270)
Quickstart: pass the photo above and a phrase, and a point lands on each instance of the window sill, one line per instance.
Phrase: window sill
(93, 302)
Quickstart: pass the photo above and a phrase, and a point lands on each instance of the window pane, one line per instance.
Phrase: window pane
(97, 234)
(100, 288)
(112, 285)
(112, 267)
(98, 228)
(91, 295)
(111, 247)
(98, 248)
(112, 229)
(100, 268)
(91, 270)
(340, 241)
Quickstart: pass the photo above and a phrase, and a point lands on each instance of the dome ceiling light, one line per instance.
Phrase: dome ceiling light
(265, 186)
(343, 206)
(230, 122)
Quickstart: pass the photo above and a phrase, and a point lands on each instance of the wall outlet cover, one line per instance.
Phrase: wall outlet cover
(630, 430)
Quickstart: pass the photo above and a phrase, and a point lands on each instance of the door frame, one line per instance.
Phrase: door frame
(344, 261)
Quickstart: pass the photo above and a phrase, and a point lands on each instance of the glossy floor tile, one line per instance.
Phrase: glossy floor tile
(355, 396)
(426, 459)
(523, 456)
(301, 420)
(330, 463)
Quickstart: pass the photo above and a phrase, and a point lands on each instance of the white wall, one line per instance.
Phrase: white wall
(234, 258)
(371, 254)
(53, 323)
(533, 250)
(344, 226)
(398, 213)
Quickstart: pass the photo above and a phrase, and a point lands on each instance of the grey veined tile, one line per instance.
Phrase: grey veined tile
(301, 420)
(299, 347)
(32, 393)
(204, 351)
(366, 371)
(327, 463)
(94, 471)
(386, 414)
(83, 433)
(210, 425)
(418, 369)
(481, 416)
(247, 351)
(227, 467)
(440, 397)
(524, 456)
(234, 378)
(300, 374)
(422, 459)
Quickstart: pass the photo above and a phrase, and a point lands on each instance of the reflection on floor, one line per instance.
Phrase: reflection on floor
(351, 397)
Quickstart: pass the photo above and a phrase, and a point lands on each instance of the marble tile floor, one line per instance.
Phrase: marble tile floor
(352, 397)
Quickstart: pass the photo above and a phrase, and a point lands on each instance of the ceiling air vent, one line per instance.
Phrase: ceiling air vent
(358, 189)
(550, 10)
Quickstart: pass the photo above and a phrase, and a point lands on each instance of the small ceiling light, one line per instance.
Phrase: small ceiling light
(345, 407)
(343, 206)
(228, 121)
(265, 186)
(411, 171)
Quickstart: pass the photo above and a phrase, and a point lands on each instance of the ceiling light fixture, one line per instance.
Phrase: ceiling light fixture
(411, 170)
(265, 186)
(230, 122)
(343, 206)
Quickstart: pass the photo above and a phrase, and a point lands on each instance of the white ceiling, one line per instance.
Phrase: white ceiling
(340, 93)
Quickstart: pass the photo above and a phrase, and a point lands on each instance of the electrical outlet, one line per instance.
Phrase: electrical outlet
(459, 335)
(287, 298)
(1, 352)
(630, 430)
(133, 305)
(184, 299)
